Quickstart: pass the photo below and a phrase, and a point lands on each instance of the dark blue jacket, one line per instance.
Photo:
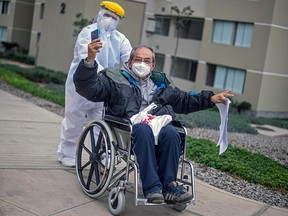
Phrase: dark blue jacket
(122, 95)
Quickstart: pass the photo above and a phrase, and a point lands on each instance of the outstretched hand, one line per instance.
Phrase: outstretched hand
(93, 48)
(220, 98)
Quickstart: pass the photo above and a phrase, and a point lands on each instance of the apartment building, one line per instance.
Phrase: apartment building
(54, 33)
(45, 27)
(240, 45)
(16, 21)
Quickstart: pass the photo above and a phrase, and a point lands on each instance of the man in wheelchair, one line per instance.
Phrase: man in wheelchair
(128, 91)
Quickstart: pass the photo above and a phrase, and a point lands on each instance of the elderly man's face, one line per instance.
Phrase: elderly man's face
(142, 55)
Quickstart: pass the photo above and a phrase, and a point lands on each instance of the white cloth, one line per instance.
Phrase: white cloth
(223, 110)
(116, 48)
(155, 122)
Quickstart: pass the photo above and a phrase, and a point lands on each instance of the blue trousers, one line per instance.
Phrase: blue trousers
(158, 164)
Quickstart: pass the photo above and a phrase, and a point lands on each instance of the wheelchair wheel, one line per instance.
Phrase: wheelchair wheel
(119, 204)
(180, 207)
(95, 158)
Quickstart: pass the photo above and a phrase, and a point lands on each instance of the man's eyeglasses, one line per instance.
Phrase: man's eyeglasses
(146, 61)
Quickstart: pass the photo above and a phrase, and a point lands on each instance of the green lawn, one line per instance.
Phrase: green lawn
(253, 167)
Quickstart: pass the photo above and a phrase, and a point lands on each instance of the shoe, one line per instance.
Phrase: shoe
(155, 197)
(174, 194)
(69, 162)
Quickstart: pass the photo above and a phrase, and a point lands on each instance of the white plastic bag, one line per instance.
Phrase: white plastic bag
(139, 117)
(155, 122)
(223, 141)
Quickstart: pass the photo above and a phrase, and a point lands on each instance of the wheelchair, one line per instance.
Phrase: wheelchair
(105, 163)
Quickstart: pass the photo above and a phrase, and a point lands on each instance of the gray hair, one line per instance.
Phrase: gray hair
(142, 46)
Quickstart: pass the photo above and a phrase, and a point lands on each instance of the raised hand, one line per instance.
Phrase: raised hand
(93, 48)
(221, 97)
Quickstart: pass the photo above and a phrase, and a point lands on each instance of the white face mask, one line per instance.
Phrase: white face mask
(141, 69)
(109, 23)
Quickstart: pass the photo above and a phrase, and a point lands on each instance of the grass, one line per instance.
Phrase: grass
(238, 162)
(38, 74)
(17, 81)
(252, 167)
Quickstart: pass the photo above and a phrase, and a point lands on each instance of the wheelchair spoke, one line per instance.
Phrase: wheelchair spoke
(89, 179)
(92, 138)
(85, 165)
(95, 146)
(99, 142)
(86, 149)
(97, 173)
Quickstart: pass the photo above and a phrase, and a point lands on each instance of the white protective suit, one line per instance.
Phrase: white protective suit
(116, 48)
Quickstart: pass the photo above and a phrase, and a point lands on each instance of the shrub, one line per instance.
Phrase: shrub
(243, 106)
(12, 51)
(56, 87)
(282, 123)
(23, 58)
(38, 74)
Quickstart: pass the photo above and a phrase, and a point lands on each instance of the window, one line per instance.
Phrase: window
(193, 29)
(162, 25)
(160, 58)
(42, 8)
(233, 33)
(244, 35)
(226, 78)
(184, 68)
(223, 32)
(4, 7)
(3, 33)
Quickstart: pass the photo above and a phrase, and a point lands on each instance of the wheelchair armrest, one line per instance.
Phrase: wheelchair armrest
(116, 119)
(117, 122)
(176, 123)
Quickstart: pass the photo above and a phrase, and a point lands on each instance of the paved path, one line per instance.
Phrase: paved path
(32, 182)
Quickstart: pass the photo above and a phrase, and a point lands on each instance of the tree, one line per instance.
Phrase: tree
(80, 23)
(180, 20)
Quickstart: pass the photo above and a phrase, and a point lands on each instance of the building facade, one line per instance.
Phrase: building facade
(53, 35)
(13, 26)
(239, 45)
(45, 28)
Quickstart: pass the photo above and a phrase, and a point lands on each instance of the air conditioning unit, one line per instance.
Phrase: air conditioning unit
(151, 24)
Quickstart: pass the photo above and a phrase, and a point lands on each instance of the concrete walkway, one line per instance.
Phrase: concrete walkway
(32, 182)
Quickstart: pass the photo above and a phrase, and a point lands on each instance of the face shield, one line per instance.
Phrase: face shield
(107, 20)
